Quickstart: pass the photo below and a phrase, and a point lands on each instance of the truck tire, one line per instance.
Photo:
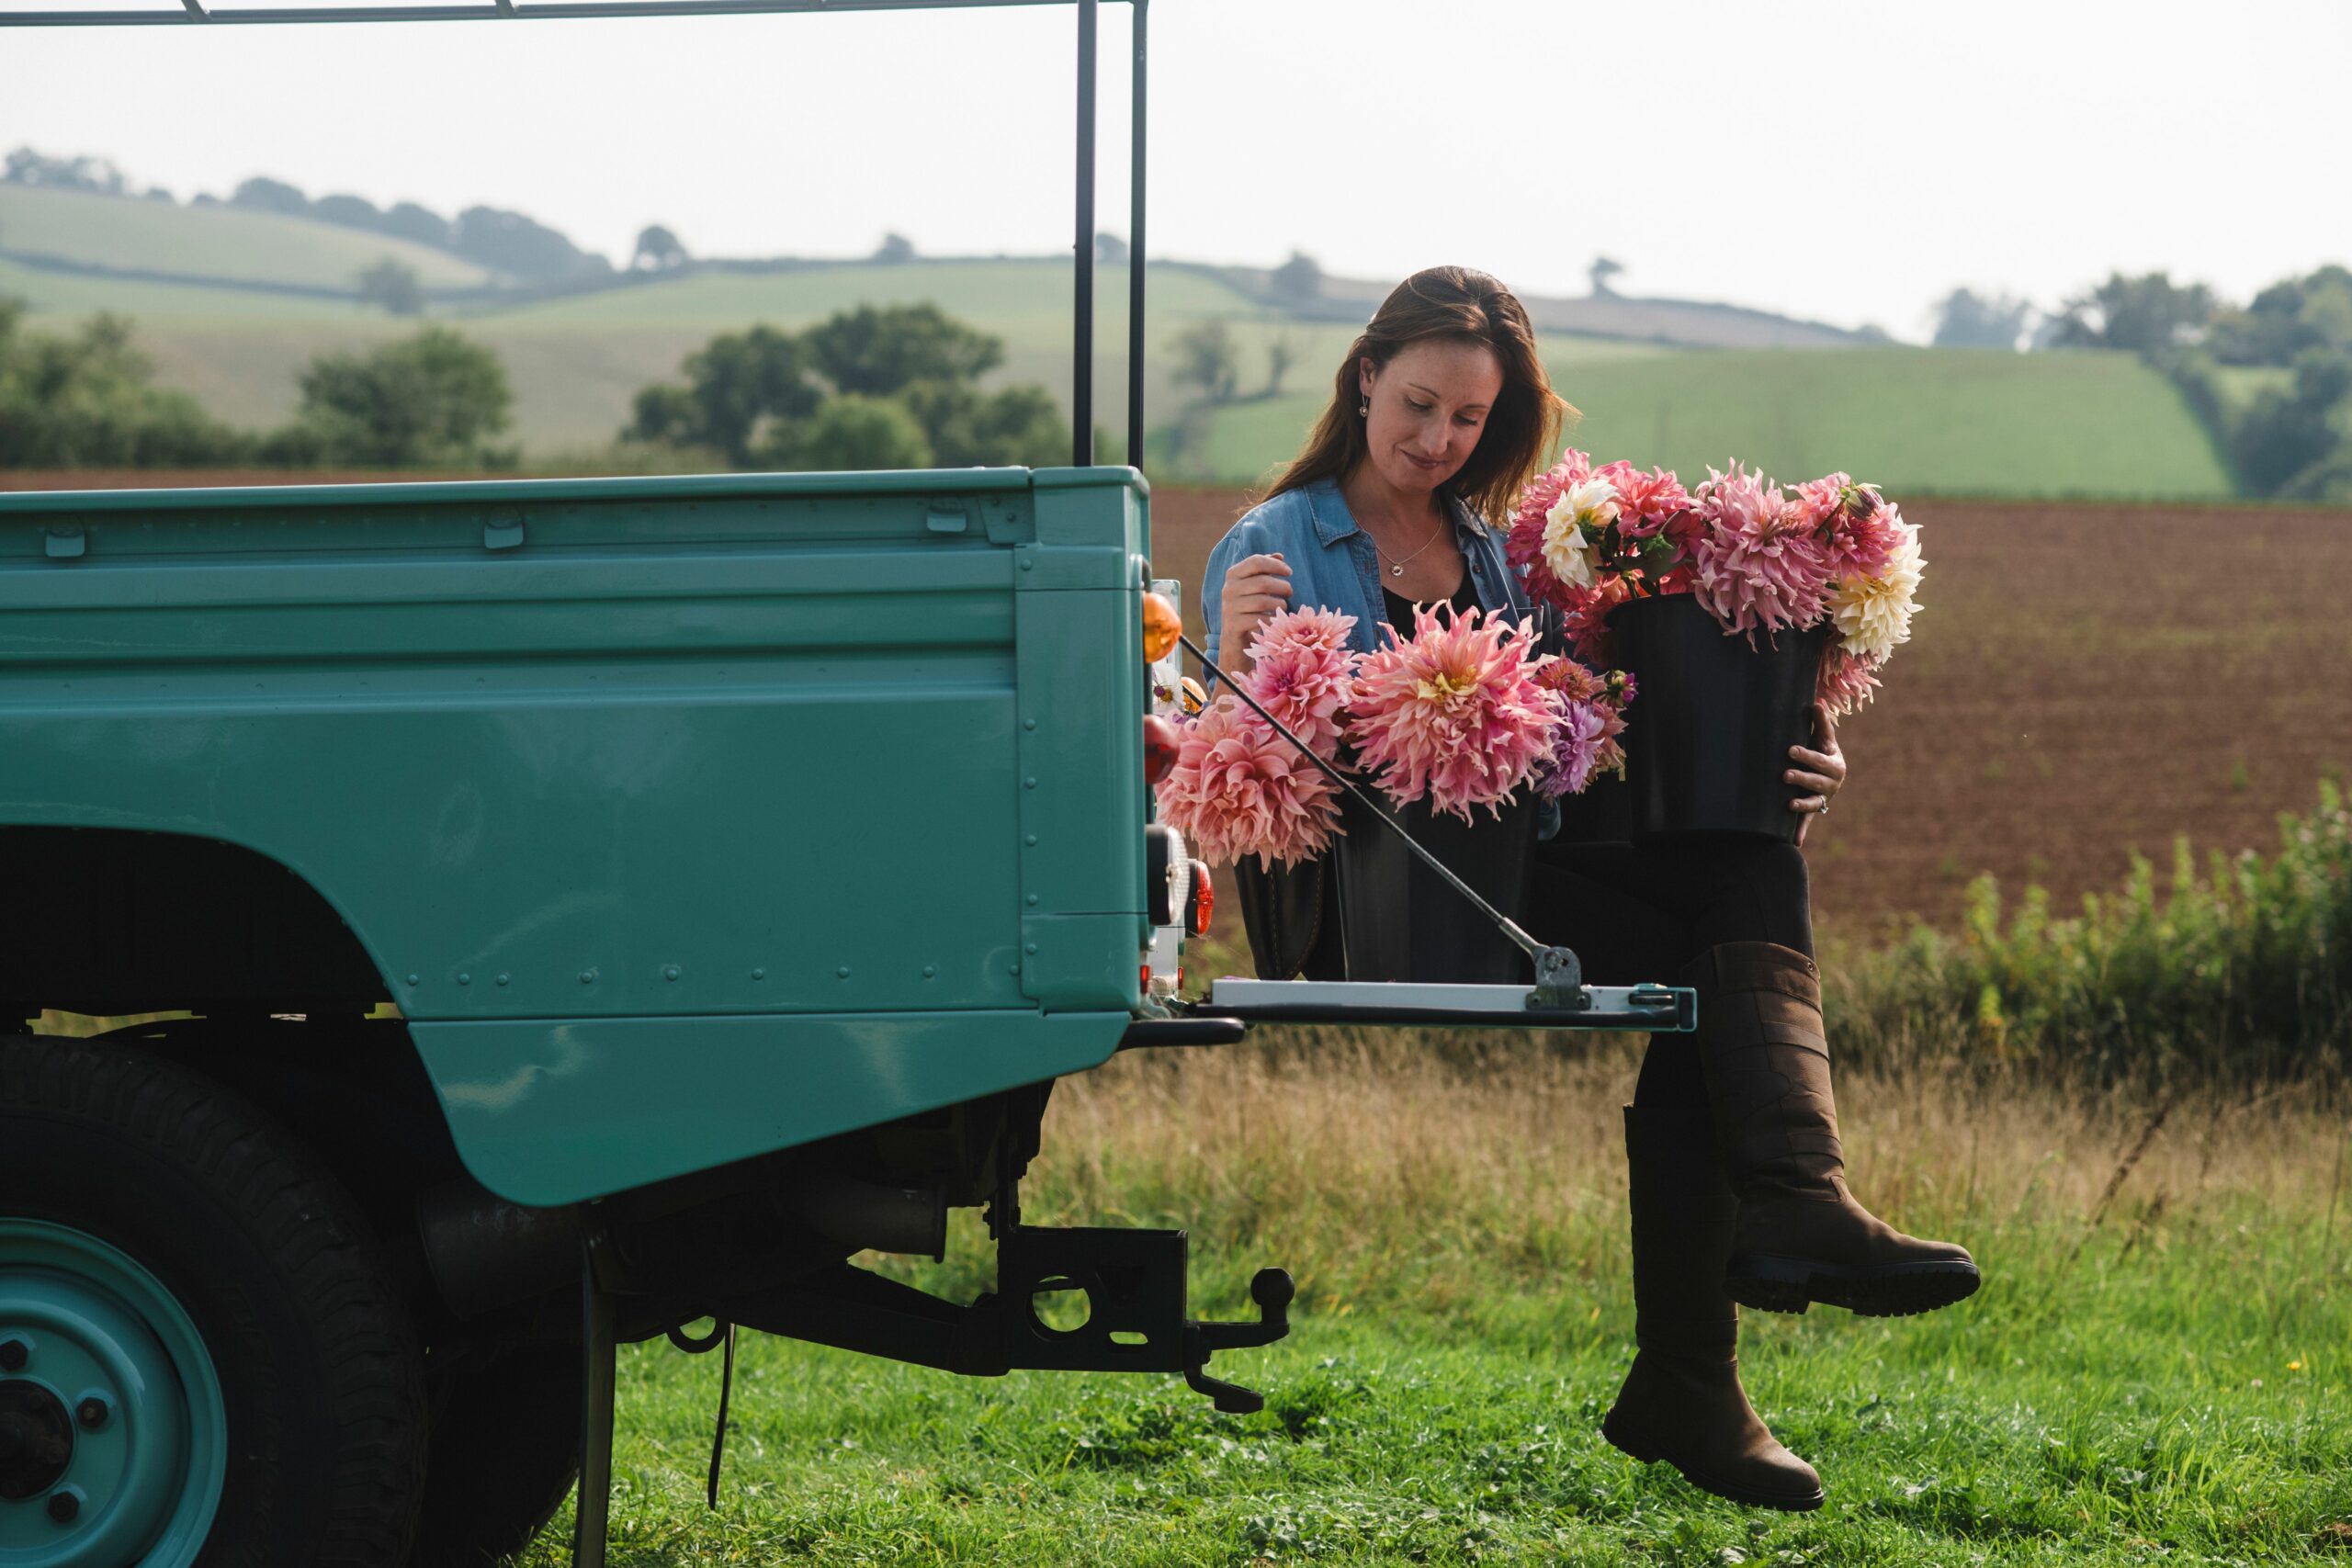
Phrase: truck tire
(506, 1453)
(244, 1381)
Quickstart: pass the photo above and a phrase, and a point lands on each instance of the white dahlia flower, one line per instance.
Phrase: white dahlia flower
(1574, 558)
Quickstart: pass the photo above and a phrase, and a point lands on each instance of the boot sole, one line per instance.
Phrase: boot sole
(1893, 1289)
(1784, 1502)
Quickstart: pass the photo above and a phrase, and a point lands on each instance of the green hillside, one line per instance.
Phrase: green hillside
(209, 241)
(1918, 420)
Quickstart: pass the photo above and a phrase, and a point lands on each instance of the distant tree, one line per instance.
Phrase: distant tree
(1109, 248)
(1205, 358)
(851, 430)
(1281, 354)
(351, 211)
(407, 221)
(266, 195)
(2285, 433)
(433, 398)
(2141, 314)
(1965, 319)
(658, 250)
(1601, 270)
(2286, 319)
(88, 400)
(1298, 278)
(894, 249)
(879, 350)
(156, 193)
(1017, 426)
(739, 386)
(394, 286)
(848, 393)
(511, 243)
(95, 176)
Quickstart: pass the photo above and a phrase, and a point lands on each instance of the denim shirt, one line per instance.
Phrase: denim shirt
(1333, 565)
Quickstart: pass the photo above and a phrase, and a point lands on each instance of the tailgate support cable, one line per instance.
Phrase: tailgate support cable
(1559, 975)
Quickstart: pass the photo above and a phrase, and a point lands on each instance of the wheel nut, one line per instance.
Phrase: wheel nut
(63, 1506)
(12, 1355)
(92, 1413)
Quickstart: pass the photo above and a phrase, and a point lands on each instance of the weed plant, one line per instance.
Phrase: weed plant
(2243, 972)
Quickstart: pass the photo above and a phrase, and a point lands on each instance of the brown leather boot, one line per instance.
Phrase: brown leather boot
(1801, 1237)
(1682, 1403)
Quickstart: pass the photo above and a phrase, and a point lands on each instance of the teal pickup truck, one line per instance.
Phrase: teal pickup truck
(564, 913)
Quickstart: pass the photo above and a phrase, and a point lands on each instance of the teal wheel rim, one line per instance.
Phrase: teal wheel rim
(103, 1337)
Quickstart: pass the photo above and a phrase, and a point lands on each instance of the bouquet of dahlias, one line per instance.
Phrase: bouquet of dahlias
(1759, 557)
(1464, 713)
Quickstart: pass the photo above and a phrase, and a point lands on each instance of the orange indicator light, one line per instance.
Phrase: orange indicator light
(1162, 627)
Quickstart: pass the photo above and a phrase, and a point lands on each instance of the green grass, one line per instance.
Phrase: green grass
(1917, 420)
(2156, 1373)
(209, 241)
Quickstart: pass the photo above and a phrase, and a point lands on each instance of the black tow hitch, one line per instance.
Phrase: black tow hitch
(1130, 1284)
(1084, 1300)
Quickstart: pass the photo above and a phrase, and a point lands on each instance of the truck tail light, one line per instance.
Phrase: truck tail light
(1203, 902)
(1159, 743)
(1162, 625)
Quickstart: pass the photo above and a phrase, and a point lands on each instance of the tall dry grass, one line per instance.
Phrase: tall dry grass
(1450, 1175)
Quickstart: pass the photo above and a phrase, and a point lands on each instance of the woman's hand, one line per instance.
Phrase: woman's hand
(1820, 773)
(1255, 588)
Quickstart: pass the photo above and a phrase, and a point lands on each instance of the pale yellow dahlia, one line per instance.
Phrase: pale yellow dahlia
(1873, 613)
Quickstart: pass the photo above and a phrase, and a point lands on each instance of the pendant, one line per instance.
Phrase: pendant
(1396, 571)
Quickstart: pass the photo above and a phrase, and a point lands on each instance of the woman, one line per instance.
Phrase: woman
(1441, 413)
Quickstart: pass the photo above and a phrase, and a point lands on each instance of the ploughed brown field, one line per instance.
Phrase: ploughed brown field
(2085, 680)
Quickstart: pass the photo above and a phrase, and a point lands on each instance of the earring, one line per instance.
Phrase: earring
(1363, 409)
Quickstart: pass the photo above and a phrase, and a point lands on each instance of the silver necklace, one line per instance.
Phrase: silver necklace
(1396, 563)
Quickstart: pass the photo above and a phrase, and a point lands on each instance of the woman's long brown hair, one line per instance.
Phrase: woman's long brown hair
(1447, 302)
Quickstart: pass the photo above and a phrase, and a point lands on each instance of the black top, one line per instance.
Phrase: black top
(1400, 609)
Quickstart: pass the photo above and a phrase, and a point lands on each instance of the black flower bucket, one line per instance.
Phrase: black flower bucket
(1400, 920)
(1708, 734)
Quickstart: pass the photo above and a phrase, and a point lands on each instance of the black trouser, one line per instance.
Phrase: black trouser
(1640, 912)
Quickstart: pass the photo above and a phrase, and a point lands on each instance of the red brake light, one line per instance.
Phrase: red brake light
(1203, 901)
(1160, 742)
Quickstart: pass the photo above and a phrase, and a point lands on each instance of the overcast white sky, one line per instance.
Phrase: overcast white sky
(1847, 162)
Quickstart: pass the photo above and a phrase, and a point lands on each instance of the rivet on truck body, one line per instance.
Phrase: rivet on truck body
(759, 974)
(669, 971)
(587, 976)
(929, 971)
(504, 978)
(1030, 840)
(464, 979)
(841, 972)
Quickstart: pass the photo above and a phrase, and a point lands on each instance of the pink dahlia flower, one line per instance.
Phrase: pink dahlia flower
(1859, 528)
(1758, 567)
(1646, 503)
(1846, 681)
(1239, 789)
(1455, 712)
(1303, 672)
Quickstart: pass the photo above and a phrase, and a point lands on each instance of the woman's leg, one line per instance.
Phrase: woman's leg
(1682, 1403)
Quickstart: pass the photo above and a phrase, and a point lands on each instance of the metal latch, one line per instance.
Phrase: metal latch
(65, 541)
(947, 520)
(502, 530)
